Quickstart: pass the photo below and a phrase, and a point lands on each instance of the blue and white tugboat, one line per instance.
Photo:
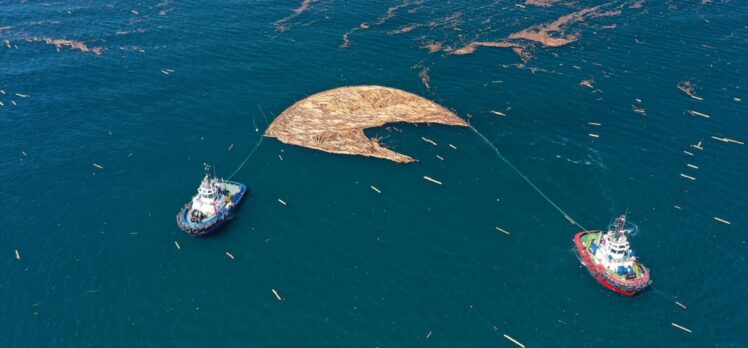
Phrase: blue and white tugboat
(214, 204)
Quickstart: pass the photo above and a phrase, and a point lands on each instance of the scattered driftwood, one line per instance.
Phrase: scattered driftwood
(375, 189)
(177, 245)
(334, 121)
(689, 89)
(230, 255)
(502, 230)
(587, 83)
(18, 255)
(78, 45)
(680, 305)
(282, 201)
(98, 166)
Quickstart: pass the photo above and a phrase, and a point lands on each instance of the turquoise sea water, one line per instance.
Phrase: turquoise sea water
(417, 265)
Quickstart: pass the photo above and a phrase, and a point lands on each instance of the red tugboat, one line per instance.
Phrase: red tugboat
(610, 260)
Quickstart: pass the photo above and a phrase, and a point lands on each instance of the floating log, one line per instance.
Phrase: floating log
(680, 305)
(277, 295)
(498, 113)
(594, 135)
(177, 244)
(692, 166)
(677, 207)
(698, 146)
(282, 201)
(18, 255)
(502, 230)
(428, 335)
(230, 255)
(687, 176)
(728, 140)
(375, 189)
(22, 95)
(682, 328)
(429, 141)
(231, 147)
(723, 220)
(13, 102)
(515, 341)
(1, 104)
(594, 124)
(280, 157)
(98, 166)
(440, 157)
(452, 146)
(696, 113)
(688, 153)
(432, 180)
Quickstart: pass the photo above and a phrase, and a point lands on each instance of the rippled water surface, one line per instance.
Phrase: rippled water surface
(151, 90)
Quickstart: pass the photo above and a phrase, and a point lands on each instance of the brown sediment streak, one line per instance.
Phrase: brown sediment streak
(433, 46)
(346, 41)
(165, 12)
(425, 78)
(689, 89)
(473, 46)
(393, 10)
(334, 120)
(303, 7)
(541, 3)
(519, 49)
(365, 25)
(637, 4)
(541, 33)
(405, 29)
(78, 45)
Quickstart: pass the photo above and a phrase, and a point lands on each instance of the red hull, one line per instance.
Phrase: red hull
(598, 272)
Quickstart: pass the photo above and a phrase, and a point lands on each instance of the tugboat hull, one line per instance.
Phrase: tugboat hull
(603, 276)
(209, 226)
